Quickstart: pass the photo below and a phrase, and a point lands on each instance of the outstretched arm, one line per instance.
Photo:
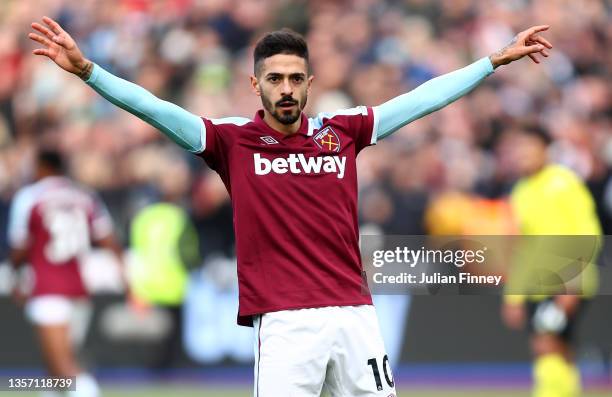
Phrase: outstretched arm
(441, 91)
(183, 127)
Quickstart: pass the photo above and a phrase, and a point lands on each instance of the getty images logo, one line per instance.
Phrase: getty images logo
(298, 163)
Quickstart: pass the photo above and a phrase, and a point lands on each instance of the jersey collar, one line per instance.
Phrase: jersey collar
(53, 180)
(303, 130)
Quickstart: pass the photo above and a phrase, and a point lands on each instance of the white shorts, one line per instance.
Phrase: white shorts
(299, 353)
(48, 310)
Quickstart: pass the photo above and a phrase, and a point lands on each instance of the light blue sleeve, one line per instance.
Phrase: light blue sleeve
(19, 217)
(184, 128)
(429, 97)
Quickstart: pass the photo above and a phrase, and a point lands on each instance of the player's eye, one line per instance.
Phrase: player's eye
(273, 79)
(298, 79)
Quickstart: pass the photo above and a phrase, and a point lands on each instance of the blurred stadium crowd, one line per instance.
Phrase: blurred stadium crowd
(198, 54)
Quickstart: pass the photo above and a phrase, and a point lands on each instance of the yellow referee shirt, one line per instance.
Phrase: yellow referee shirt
(555, 202)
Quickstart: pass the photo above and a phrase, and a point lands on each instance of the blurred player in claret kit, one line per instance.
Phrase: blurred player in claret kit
(52, 223)
(293, 185)
(551, 200)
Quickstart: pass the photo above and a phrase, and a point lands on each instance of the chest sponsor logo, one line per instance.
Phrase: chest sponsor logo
(298, 163)
(268, 140)
(327, 139)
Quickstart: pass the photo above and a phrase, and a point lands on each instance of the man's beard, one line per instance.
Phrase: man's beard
(283, 117)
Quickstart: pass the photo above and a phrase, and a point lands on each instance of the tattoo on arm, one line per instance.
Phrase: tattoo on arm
(86, 70)
(497, 58)
(503, 50)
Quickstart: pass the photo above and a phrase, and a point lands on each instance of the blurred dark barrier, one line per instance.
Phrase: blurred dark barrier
(113, 339)
(469, 329)
(440, 329)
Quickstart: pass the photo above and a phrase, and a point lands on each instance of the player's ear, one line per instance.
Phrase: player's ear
(310, 79)
(255, 86)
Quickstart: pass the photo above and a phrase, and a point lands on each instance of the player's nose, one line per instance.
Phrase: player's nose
(286, 89)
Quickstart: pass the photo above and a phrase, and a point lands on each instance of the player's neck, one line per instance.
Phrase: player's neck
(285, 129)
(42, 174)
(539, 167)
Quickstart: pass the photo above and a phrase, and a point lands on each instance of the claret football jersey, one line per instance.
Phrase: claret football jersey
(294, 200)
(56, 220)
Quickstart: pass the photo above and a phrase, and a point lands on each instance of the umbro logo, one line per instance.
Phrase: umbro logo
(268, 140)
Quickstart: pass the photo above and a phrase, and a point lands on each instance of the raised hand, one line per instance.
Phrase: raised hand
(527, 43)
(60, 48)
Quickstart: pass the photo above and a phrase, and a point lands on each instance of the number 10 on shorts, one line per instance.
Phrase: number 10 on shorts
(386, 371)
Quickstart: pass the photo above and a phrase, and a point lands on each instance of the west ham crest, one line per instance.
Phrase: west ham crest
(327, 140)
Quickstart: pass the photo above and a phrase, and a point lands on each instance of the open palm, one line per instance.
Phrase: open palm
(58, 46)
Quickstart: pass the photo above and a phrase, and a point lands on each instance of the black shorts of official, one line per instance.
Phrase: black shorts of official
(568, 333)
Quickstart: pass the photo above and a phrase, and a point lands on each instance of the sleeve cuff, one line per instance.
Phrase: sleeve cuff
(18, 242)
(94, 75)
(487, 65)
(376, 118)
